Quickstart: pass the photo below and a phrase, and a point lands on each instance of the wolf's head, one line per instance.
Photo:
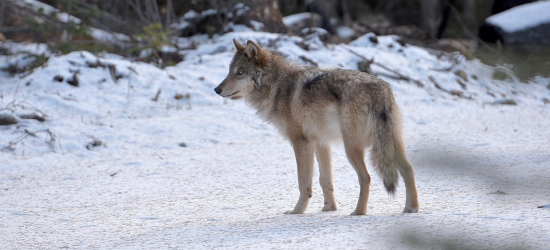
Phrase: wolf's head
(245, 72)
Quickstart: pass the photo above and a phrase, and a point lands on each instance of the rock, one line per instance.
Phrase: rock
(505, 102)
(456, 92)
(95, 64)
(460, 73)
(364, 66)
(522, 25)
(74, 80)
(58, 78)
(94, 143)
(366, 40)
(450, 45)
(7, 119)
(401, 41)
(311, 33)
(501, 74)
(373, 39)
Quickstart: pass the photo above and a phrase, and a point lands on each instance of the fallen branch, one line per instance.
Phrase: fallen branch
(397, 76)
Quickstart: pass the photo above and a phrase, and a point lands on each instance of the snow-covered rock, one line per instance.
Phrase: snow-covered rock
(525, 24)
(345, 32)
(297, 22)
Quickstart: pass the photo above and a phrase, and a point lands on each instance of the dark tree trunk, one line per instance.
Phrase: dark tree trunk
(446, 13)
(328, 9)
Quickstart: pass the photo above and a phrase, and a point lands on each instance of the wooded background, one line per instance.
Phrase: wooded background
(448, 25)
(426, 18)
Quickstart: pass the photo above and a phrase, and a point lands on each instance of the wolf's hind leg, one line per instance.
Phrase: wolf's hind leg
(322, 152)
(303, 149)
(407, 172)
(356, 156)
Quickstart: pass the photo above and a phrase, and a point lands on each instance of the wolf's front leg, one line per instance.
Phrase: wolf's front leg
(303, 149)
(322, 152)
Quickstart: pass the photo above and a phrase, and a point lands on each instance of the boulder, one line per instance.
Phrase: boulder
(526, 25)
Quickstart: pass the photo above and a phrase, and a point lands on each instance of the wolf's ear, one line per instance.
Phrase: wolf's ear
(238, 46)
(253, 50)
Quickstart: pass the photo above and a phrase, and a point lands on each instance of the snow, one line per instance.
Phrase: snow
(20, 55)
(181, 25)
(31, 48)
(190, 15)
(48, 10)
(193, 170)
(236, 27)
(209, 12)
(290, 20)
(256, 25)
(345, 32)
(104, 36)
(522, 17)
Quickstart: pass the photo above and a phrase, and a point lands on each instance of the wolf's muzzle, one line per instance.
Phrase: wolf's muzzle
(218, 90)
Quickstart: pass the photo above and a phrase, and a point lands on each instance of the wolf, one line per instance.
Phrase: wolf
(312, 107)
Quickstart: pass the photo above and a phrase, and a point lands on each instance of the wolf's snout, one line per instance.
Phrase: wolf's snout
(218, 90)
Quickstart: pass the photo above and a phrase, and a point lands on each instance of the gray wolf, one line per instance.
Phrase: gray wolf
(313, 107)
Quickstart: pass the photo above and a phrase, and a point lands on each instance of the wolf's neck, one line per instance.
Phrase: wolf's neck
(277, 75)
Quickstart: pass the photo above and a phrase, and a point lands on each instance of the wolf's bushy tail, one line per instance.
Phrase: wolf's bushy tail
(387, 129)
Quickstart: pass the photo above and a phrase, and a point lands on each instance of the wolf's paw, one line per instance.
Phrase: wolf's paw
(410, 210)
(358, 213)
(329, 207)
(293, 212)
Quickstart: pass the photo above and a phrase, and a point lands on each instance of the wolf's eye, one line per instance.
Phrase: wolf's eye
(240, 72)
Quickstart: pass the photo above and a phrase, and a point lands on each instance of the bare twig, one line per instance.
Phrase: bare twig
(51, 142)
(16, 103)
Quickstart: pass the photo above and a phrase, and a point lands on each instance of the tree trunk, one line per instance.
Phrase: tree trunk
(470, 17)
(328, 11)
(429, 10)
(2, 12)
(446, 14)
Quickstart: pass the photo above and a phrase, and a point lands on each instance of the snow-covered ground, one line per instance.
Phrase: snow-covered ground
(137, 157)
